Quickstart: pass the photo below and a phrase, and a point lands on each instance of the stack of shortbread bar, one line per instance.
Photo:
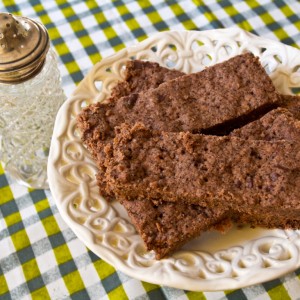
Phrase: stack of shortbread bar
(187, 153)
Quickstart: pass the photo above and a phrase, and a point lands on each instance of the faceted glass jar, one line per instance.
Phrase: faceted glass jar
(27, 115)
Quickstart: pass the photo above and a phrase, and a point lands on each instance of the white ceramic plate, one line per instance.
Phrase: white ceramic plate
(212, 262)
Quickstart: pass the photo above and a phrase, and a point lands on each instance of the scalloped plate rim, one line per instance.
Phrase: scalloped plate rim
(87, 238)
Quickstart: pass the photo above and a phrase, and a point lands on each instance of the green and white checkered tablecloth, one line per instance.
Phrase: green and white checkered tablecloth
(40, 257)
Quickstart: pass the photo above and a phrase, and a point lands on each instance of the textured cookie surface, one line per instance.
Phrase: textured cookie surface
(207, 170)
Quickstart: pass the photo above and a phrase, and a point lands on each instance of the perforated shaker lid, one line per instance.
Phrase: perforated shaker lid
(24, 44)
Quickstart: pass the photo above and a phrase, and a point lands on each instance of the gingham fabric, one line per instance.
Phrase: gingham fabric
(40, 257)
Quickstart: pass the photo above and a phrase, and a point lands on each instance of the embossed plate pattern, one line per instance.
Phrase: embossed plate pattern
(212, 262)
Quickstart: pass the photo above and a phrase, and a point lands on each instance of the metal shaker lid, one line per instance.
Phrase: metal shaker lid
(24, 44)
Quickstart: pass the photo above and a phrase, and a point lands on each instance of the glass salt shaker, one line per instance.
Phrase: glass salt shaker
(30, 96)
